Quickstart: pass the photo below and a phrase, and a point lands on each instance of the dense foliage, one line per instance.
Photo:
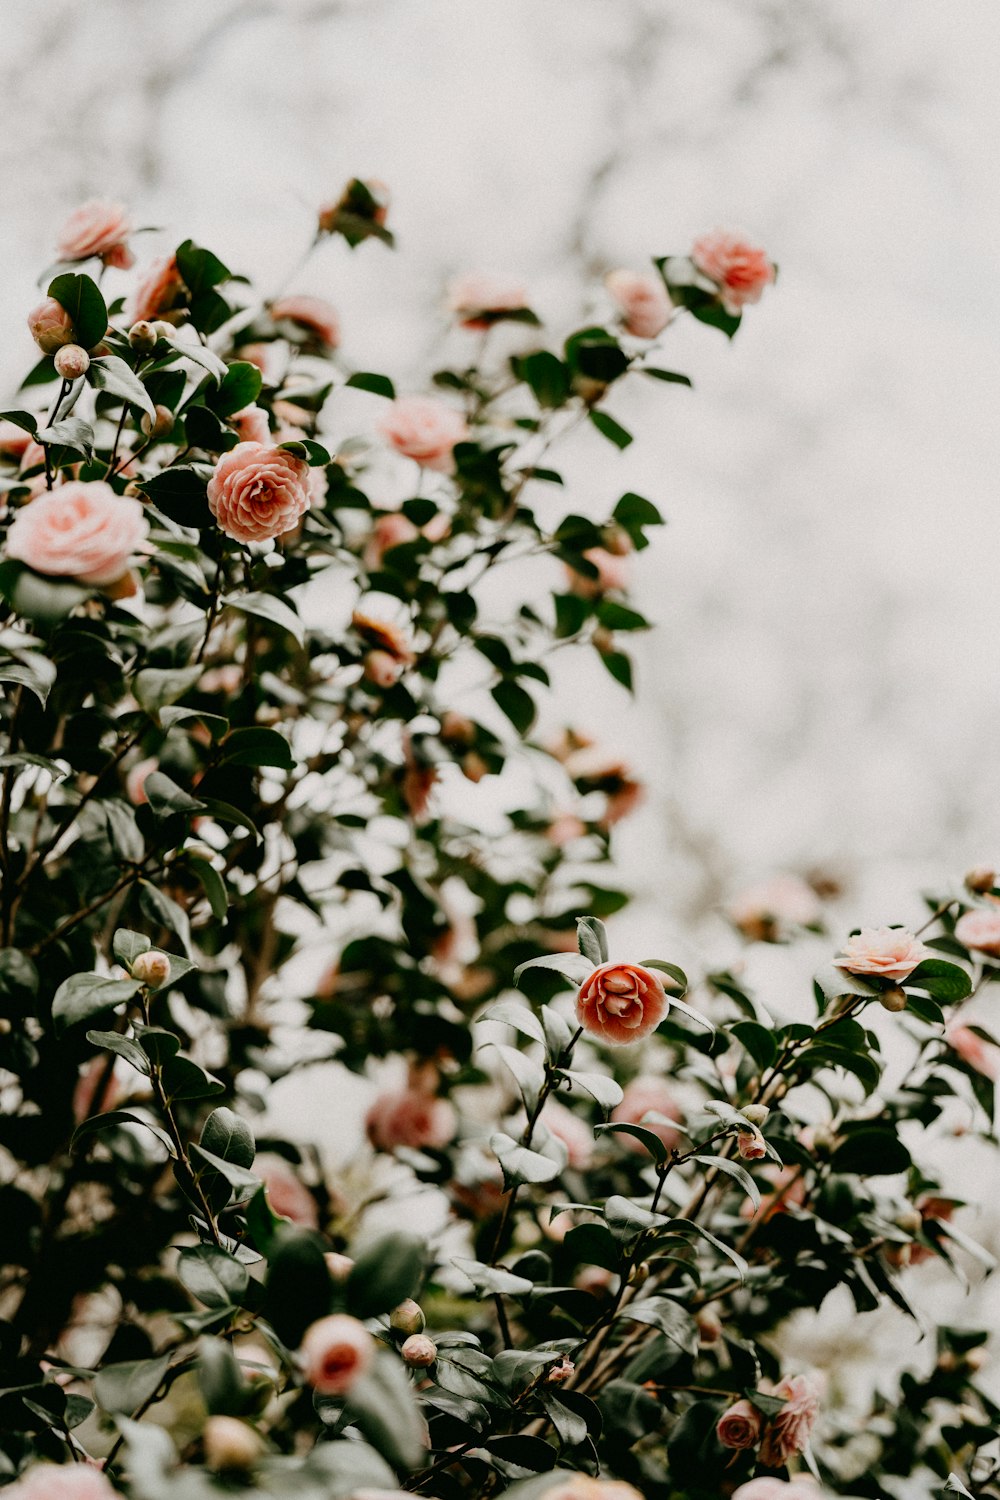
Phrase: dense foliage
(253, 672)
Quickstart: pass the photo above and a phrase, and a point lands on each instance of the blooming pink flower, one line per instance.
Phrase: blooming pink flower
(313, 315)
(252, 426)
(82, 531)
(621, 1003)
(574, 1133)
(740, 270)
(739, 1426)
(50, 325)
(426, 430)
(788, 1433)
(97, 228)
(335, 1352)
(768, 1487)
(410, 1117)
(981, 1055)
(645, 1095)
(642, 298)
(612, 573)
(765, 910)
(478, 299)
(286, 1192)
(889, 952)
(258, 491)
(62, 1482)
(160, 292)
(980, 929)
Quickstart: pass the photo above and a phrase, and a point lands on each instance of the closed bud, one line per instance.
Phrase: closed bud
(755, 1113)
(408, 1317)
(976, 1359)
(151, 969)
(909, 1220)
(50, 325)
(893, 999)
(616, 539)
(474, 768)
(603, 640)
(339, 1266)
(161, 426)
(230, 1444)
(142, 337)
(382, 669)
(71, 361)
(419, 1351)
(199, 851)
(981, 879)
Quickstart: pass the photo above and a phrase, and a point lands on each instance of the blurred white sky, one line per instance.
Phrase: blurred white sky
(823, 684)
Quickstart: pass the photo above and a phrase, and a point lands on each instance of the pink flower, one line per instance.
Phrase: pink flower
(391, 529)
(750, 1144)
(160, 292)
(981, 1055)
(980, 930)
(426, 430)
(788, 1433)
(135, 779)
(642, 298)
(763, 911)
(252, 426)
(82, 531)
(62, 1482)
(286, 1192)
(646, 1095)
(313, 315)
(335, 1352)
(621, 1003)
(410, 1117)
(478, 300)
(51, 326)
(612, 573)
(739, 1426)
(574, 1133)
(97, 228)
(258, 491)
(582, 1487)
(13, 439)
(770, 1488)
(740, 270)
(889, 952)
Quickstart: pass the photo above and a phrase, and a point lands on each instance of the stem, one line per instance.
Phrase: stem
(213, 610)
(5, 800)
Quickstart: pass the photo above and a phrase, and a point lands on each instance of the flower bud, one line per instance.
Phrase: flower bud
(893, 999)
(381, 668)
(709, 1326)
(230, 1444)
(981, 879)
(640, 1273)
(474, 768)
(151, 969)
(755, 1113)
(161, 426)
(339, 1266)
(407, 1317)
(976, 1359)
(603, 640)
(71, 361)
(419, 1351)
(560, 1372)
(909, 1220)
(750, 1145)
(50, 325)
(142, 337)
(616, 539)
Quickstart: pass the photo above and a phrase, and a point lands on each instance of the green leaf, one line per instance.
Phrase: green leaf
(572, 965)
(154, 687)
(592, 939)
(298, 1283)
(114, 1118)
(227, 1134)
(615, 616)
(113, 1041)
(386, 1273)
(126, 1387)
(514, 1013)
(864, 1067)
(209, 1168)
(166, 798)
(943, 981)
(81, 298)
(519, 1164)
(383, 1406)
(200, 269)
(213, 1276)
(70, 433)
(514, 701)
(669, 1317)
(642, 1133)
(240, 387)
(871, 1153)
(736, 1172)
(528, 1074)
(546, 375)
(609, 428)
(33, 671)
(223, 1387)
(834, 982)
(256, 747)
(379, 385)
(671, 376)
(181, 494)
(269, 607)
(310, 452)
(212, 884)
(23, 419)
(757, 1040)
(85, 995)
(183, 1078)
(109, 373)
(493, 1281)
(604, 1090)
(127, 945)
(688, 1227)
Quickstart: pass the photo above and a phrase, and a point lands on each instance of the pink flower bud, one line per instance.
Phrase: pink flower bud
(981, 879)
(751, 1145)
(893, 999)
(50, 325)
(142, 337)
(159, 426)
(407, 1317)
(381, 669)
(419, 1351)
(71, 361)
(151, 969)
(560, 1372)
(335, 1352)
(339, 1266)
(230, 1444)
(755, 1113)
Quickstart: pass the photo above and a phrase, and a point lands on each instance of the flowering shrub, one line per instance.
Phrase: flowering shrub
(248, 658)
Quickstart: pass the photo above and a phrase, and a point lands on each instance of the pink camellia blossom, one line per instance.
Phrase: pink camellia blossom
(51, 326)
(286, 1192)
(788, 1433)
(13, 439)
(410, 1117)
(478, 299)
(887, 952)
(574, 1133)
(751, 1145)
(426, 430)
(252, 425)
(583, 1487)
(258, 491)
(313, 315)
(97, 228)
(335, 1352)
(82, 531)
(62, 1482)
(981, 1055)
(612, 573)
(740, 269)
(621, 1003)
(769, 1487)
(645, 307)
(160, 293)
(980, 930)
(647, 1095)
(764, 911)
(739, 1426)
